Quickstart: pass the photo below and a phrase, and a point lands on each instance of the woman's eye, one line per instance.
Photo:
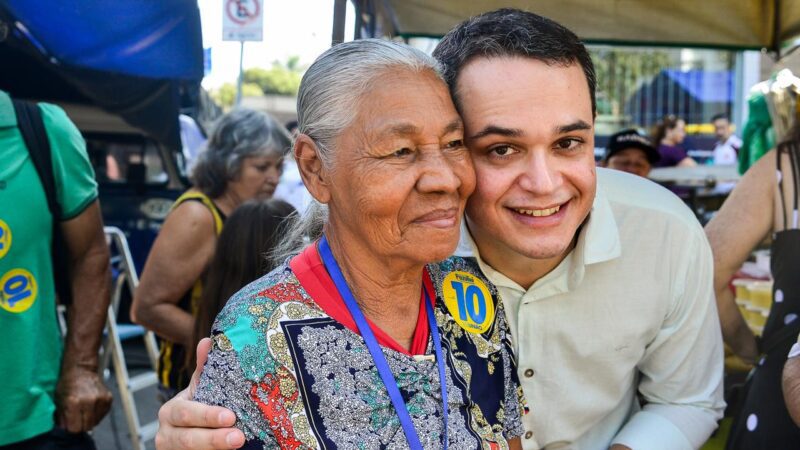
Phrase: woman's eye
(402, 152)
(455, 144)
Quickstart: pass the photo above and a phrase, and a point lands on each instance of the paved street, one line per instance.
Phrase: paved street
(112, 432)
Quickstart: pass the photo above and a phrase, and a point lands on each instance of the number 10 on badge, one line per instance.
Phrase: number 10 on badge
(469, 301)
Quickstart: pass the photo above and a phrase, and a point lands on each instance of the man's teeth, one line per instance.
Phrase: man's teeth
(539, 212)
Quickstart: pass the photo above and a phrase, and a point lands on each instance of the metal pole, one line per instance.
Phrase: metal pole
(339, 15)
(359, 20)
(776, 31)
(241, 75)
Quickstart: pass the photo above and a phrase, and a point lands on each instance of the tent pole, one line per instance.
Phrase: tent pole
(776, 29)
(339, 14)
(359, 19)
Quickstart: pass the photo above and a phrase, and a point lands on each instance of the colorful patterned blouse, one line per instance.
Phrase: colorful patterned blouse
(298, 378)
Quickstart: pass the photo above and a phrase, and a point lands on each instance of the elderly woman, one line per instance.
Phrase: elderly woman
(242, 162)
(363, 339)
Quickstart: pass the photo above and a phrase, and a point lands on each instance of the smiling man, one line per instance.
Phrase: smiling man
(606, 277)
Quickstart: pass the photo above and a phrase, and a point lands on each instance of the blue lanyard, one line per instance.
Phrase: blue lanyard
(375, 349)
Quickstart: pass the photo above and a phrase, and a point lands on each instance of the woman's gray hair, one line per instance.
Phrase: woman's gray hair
(239, 134)
(329, 98)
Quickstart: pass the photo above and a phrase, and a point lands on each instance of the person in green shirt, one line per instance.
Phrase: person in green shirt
(52, 393)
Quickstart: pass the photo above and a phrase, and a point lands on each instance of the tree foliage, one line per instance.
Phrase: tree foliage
(620, 72)
(226, 94)
(281, 78)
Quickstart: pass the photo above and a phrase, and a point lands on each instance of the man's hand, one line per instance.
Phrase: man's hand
(185, 424)
(81, 400)
(791, 384)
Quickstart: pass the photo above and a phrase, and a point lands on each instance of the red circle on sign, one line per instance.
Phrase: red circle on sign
(237, 11)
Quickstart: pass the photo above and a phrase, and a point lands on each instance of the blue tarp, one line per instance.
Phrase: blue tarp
(694, 95)
(154, 39)
(139, 59)
(705, 86)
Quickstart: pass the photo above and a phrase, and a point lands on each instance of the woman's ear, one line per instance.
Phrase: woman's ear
(312, 171)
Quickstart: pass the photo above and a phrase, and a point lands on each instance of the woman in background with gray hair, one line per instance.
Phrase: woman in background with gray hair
(242, 162)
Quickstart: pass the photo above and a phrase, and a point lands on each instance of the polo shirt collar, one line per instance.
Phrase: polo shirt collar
(7, 116)
(598, 241)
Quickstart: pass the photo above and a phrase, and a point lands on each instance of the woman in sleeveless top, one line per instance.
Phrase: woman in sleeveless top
(242, 161)
(764, 202)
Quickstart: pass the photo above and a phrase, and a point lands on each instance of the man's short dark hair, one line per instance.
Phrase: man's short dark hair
(719, 116)
(512, 32)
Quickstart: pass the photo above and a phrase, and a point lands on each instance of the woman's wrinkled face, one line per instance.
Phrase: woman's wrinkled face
(258, 176)
(401, 175)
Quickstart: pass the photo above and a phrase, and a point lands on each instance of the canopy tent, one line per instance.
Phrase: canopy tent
(134, 59)
(735, 24)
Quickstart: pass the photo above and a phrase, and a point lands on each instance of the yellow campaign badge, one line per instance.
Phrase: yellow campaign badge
(5, 239)
(18, 290)
(469, 301)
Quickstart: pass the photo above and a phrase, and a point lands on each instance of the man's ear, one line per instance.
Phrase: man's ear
(313, 173)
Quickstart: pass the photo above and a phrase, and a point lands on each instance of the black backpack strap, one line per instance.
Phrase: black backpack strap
(31, 126)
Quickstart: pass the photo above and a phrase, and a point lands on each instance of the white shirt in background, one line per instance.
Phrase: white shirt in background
(727, 153)
(291, 188)
(630, 309)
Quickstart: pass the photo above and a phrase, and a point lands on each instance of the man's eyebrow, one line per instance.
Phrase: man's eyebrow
(579, 125)
(494, 129)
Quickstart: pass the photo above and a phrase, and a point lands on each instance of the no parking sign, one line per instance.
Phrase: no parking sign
(242, 20)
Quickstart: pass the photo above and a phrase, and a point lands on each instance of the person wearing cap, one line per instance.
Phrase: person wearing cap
(630, 152)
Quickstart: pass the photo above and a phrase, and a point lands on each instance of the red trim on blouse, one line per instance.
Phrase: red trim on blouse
(311, 272)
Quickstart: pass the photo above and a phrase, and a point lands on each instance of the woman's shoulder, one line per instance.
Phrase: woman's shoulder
(262, 296)
(250, 323)
(189, 209)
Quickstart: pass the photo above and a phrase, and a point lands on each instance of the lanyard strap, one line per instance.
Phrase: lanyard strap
(377, 354)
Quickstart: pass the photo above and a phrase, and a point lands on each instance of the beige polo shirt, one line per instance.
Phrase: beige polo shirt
(630, 309)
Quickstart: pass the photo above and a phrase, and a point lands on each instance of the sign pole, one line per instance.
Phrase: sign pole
(242, 20)
(241, 74)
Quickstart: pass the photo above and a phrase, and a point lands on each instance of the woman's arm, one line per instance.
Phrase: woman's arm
(744, 220)
(180, 254)
(791, 386)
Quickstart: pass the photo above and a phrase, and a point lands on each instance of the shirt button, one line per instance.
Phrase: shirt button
(528, 434)
(529, 373)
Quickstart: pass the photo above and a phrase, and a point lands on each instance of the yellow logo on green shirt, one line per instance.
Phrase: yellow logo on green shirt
(18, 290)
(5, 239)
(469, 301)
